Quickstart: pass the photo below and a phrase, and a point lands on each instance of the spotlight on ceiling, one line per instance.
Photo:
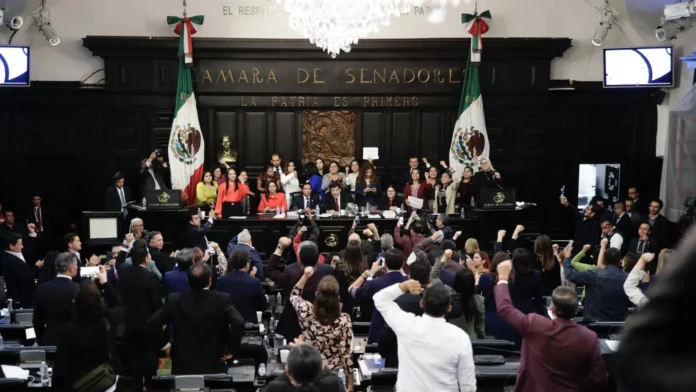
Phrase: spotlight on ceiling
(47, 30)
(602, 33)
(670, 29)
(9, 19)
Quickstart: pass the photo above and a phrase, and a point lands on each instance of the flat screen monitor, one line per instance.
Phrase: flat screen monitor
(598, 179)
(14, 66)
(639, 67)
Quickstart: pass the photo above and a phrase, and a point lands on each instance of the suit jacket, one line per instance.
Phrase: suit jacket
(641, 207)
(605, 298)
(149, 182)
(195, 236)
(384, 205)
(368, 290)
(658, 230)
(46, 220)
(112, 200)
(53, 307)
(486, 180)
(636, 247)
(206, 326)
(330, 202)
(19, 279)
(163, 261)
(546, 364)
(176, 281)
(140, 295)
(288, 324)
(624, 225)
(298, 202)
(253, 255)
(246, 294)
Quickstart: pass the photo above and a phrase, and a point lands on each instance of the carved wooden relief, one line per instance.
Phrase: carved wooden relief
(329, 135)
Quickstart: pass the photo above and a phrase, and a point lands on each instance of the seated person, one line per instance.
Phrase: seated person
(306, 201)
(246, 292)
(272, 199)
(390, 200)
(335, 202)
(305, 370)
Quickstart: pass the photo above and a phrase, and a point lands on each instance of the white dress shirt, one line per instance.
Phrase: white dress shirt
(616, 241)
(152, 173)
(19, 255)
(434, 356)
(79, 259)
(64, 276)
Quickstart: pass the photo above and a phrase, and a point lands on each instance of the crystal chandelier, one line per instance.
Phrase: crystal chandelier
(335, 25)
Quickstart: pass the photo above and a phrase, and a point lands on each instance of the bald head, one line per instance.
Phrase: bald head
(354, 237)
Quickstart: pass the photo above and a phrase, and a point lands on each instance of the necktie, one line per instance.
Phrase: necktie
(157, 185)
(338, 204)
(306, 202)
(39, 225)
(122, 196)
(641, 247)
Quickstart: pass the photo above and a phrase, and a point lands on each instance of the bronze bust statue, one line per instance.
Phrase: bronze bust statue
(227, 155)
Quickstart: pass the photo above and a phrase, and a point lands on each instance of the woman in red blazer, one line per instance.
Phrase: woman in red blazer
(417, 187)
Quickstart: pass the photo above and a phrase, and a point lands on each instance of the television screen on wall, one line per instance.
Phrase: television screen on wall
(14, 66)
(639, 67)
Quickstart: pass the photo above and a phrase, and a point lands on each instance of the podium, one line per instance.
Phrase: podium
(163, 199)
(497, 199)
(101, 227)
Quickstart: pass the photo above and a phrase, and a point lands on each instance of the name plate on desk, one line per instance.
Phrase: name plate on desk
(164, 199)
(498, 198)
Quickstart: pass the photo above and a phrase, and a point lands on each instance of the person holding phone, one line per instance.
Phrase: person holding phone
(367, 188)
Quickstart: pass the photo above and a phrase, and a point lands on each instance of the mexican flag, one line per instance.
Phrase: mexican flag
(186, 146)
(470, 139)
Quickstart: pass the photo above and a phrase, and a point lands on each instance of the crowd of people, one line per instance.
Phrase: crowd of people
(419, 290)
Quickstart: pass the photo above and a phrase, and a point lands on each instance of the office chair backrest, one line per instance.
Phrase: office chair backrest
(32, 356)
(189, 382)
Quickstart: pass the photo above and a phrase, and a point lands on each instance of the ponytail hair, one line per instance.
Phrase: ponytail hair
(305, 365)
(327, 307)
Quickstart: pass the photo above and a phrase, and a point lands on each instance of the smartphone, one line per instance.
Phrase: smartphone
(109, 255)
(381, 261)
(570, 244)
(357, 219)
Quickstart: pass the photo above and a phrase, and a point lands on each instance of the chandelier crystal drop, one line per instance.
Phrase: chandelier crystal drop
(335, 25)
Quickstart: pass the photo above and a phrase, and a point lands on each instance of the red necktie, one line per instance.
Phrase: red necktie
(338, 207)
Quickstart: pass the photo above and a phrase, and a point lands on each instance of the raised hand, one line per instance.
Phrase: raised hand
(567, 252)
(648, 257)
(519, 229)
(504, 269)
(253, 271)
(447, 255)
(376, 266)
(284, 242)
(412, 286)
(308, 272)
(604, 242)
(94, 261)
(586, 248)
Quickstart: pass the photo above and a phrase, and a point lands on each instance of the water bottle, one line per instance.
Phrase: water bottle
(262, 370)
(318, 211)
(201, 214)
(279, 299)
(277, 210)
(271, 326)
(282, 210)
(266, 343)
(367, 207)
(473, 202)
(2, 343)
(44, 374)
(342, 376)
(144, 203)
(462, 213)
(9, 307)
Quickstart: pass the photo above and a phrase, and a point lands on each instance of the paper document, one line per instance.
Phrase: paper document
(613, 344)
(370, 152)
(415, 202)
(15, 372)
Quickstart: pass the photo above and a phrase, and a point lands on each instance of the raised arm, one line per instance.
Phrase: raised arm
(399, 320)
(503, 303)
(303, 308)
(637, 274)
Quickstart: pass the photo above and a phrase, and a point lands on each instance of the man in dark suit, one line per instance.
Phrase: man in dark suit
(388, 346)
(639, 205)
(40, 217)
(53, 305)
(336, 201)
(642, 244)
(636, 218)
(245, 291)
(393, 260)
(164, 262)
(659, 225)
(288, 324)
(117, 195)
(546, 364)
(207, 329)
(623, 222)
(19, 275)
(10, 226)
(141, 299)
(176, 280)
(424, 250)
(306, 201)
(195, 234)
(413, 163)
(154, 172)
(242, 241)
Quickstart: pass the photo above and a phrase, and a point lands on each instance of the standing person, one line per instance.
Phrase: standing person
(431, 178)
(452, 369)
(324, 325)
(218, 177)
(639, 206)
(267, 176)
(53, 304)
(367, 188)
(549, 266)
(276, 163)
(445, 195)
(245, 291)
(207, 329)
(206, 191)
(290, 181)
(659, 225)
(545, 363)
(416, 188)
(319, 163)
(249, 201)
(313, 178)
(19, 275)
(487, 177)
(195, 233)
(40, 217)
(140, 293)
(117, 197)
(230, 196)
(333, 176)
(352, 173)
(466, 196)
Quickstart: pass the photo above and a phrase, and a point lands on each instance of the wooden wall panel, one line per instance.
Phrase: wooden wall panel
(255, 150)
(285, 131)
(404, 143)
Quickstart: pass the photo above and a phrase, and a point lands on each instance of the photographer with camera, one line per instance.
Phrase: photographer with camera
(155, 172)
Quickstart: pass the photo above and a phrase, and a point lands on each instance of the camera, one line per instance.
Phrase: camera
(158, 153)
